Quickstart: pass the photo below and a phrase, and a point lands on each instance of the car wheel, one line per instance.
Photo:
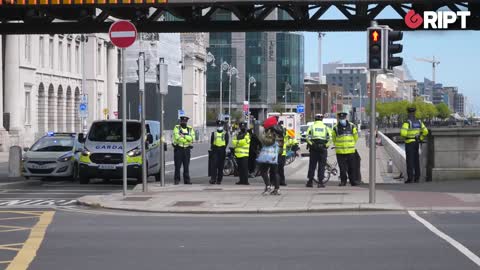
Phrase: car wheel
(75, 177)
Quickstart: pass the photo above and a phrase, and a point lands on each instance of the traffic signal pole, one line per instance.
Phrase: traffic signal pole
(124, 122)
(373, 146)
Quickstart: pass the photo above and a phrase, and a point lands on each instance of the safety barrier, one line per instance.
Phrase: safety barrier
(396, 153)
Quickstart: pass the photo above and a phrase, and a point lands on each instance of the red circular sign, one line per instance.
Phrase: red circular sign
(122, 34)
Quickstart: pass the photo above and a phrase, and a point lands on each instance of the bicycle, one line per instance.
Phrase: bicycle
(290, 158)
(230, 165)
(330, 169)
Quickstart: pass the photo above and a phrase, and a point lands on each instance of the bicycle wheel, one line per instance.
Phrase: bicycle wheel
(228, 167)
(326, 175)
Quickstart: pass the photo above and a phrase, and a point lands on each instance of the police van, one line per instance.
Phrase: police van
(102, 153)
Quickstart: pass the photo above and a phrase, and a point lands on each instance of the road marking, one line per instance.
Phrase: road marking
(29, 250)
(465, 251)
(193, 158)
(11, 246)
(15, 218)
(4, 262)
(12, 228)
(41, 202)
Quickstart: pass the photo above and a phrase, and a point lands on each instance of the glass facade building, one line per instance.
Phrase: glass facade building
(275, 60)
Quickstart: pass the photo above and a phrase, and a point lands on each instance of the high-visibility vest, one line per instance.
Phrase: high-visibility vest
(186, 140)
(219, 139)
(411, 129)
(345, 138)
(242, 146)
(317, 131)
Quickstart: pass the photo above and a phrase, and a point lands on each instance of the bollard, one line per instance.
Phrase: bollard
(15, 161)
(390, 166)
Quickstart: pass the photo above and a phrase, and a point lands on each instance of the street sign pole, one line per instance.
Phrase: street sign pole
(123, 34)
(162, 90)
(141, 88)
(373, 146)
(124, 122)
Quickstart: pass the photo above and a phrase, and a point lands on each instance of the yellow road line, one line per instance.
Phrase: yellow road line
(29, 250)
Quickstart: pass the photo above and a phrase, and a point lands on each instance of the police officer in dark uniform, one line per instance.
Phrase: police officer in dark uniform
(182, 143)
(218, 144)
(413, 131)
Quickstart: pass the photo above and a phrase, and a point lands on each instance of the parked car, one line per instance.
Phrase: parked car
(53, 155)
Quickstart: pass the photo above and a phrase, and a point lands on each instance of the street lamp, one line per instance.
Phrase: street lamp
(232, 71)
(288, 88)
(209, 59)
(359, 89)
(223, 67)
(251, 80)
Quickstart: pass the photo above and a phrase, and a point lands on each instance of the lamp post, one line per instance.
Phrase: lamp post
(84, 39)
(251, 80)
(232, 71)
(209, 59)
(223, 67)
(288, 87)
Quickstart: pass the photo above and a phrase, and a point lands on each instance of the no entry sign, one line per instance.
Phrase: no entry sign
(122, 34)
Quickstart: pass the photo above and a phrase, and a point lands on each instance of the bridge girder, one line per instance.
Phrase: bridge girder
(198, 16)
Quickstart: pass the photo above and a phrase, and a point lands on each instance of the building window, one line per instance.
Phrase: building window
(77, 59)
(99, 62)
(60, 56)
(41, 52)
(50, 53)
(69, 57)
(28, 45)
(28, 106)
(351, 71)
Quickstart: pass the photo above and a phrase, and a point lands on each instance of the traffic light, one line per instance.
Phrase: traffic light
(374, 48)
(394, 48)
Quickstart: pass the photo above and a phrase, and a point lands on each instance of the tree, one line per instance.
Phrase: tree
(443, 111)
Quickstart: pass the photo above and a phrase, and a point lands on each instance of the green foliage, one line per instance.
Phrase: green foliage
(443, 111)
(396, 111)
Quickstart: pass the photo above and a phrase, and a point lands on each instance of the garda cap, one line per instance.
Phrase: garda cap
(342, 115)
(411, 109)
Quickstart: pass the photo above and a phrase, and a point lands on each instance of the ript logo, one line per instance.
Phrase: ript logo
(413, 20)
(436, 19)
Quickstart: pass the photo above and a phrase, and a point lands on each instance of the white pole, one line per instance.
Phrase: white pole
(124, 122)
(141, 88)
(229, 97)
(82, 118)
(285, 96)
(248, 112)
(221, 89)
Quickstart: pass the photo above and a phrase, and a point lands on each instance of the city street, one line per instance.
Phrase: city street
(127, 240)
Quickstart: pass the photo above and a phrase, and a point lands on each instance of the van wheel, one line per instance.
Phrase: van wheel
(84, 180)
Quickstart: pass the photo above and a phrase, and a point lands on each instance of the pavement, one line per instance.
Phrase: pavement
(231, 199)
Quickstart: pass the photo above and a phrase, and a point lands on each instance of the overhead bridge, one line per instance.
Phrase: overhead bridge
(95, 16)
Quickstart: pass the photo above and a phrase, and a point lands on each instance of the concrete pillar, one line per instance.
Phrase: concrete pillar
(112, 81)
(14, 92)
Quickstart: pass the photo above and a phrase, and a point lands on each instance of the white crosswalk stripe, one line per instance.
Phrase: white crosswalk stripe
(37, 202)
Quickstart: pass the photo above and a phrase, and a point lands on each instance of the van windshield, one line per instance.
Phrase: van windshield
(112, 132)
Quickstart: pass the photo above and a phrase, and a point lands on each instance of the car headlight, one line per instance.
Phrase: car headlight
(134, 152)
(65, 157)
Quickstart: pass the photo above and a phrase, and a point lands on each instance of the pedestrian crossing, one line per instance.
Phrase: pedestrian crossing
(37, 202)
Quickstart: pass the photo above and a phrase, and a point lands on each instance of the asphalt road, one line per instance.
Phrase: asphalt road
(331, 241)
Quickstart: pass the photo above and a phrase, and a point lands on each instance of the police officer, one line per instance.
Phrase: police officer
(282, 155)
(218, 144)
(318, 136)
(182, 143)
(413, 131)
(345, 136)
(241, 144)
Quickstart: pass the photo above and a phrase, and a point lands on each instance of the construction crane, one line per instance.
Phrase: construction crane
(434, 63)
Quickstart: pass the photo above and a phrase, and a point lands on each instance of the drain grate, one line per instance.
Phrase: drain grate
(137, 199)
(188, 203)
